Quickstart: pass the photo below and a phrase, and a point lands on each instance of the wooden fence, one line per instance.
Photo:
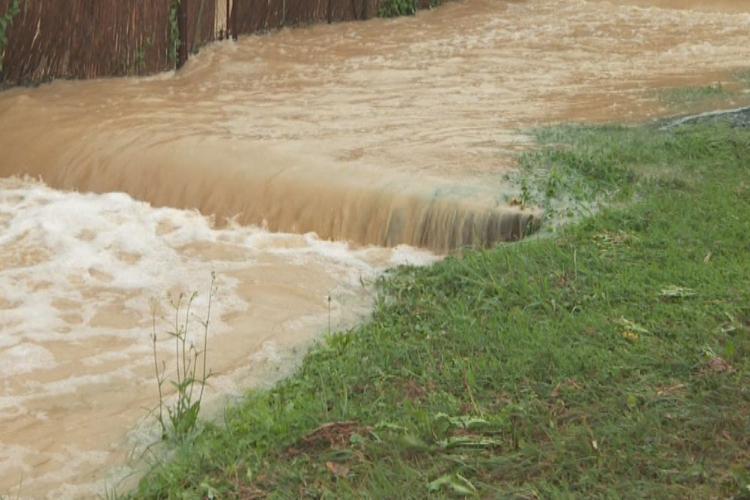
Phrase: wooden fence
(97, 38)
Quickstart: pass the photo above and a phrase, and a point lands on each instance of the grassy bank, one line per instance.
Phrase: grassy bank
(609, 360)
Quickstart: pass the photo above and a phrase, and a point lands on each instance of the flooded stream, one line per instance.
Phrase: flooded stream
(325, 155)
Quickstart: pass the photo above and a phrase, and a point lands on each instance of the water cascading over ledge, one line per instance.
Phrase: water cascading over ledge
(283, 192)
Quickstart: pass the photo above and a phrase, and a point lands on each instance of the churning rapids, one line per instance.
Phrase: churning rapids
(325, 155)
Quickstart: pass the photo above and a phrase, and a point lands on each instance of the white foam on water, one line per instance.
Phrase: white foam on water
(79, 277)
(24, 358)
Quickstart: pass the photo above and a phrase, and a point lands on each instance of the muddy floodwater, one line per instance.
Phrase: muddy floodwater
(80, 277)
(298, 166)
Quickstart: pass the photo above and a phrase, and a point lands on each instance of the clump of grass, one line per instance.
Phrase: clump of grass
(111, 493)
(179, 420)
(691, 97)
(581, 162)
(743, 77)
(395, 8)
(610, 360)
(577, 169)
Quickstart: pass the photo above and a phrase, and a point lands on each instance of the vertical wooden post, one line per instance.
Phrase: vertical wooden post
(198, 35)
(229, 19)
(235, 21)
(182, 26)
(330, 11)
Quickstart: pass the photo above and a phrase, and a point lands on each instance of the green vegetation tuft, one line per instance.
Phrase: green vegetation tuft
(6, 19)
(395, 8)
(692, 97)
(743, 77)
(609, 360)
(174, 33)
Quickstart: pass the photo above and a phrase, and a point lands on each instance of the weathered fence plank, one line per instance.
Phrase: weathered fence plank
(85, 38)
(94, 38)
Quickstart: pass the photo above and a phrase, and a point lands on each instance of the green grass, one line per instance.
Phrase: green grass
(690, 97)
(608, 360)
(743, 77)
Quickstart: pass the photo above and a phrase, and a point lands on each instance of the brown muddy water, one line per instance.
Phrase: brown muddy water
(334, 151)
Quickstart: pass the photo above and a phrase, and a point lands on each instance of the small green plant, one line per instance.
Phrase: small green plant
(554, 182)
(5, 21)
(526, 196)
(174, 32)
(395, 8)
(182, 417)
(140, 54)
(138, 62)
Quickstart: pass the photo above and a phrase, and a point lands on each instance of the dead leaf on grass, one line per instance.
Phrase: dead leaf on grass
(337, 470)
(329, 435)
(632, 336)
(718, 365)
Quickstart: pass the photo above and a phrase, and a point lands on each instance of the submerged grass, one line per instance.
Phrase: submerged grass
(690, 97)
(609, 360)
(743, 77)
